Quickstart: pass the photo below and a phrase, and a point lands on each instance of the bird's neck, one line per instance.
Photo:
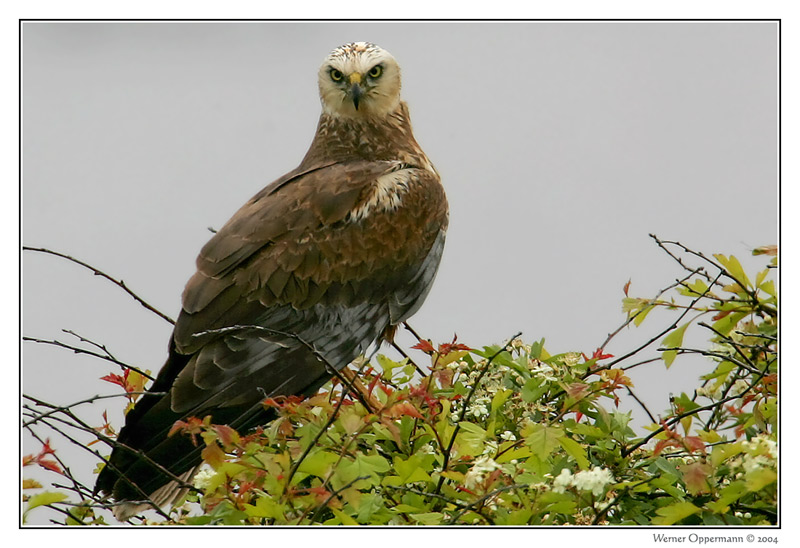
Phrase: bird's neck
(343, 139)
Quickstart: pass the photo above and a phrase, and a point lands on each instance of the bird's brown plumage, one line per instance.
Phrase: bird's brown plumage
(330, 255)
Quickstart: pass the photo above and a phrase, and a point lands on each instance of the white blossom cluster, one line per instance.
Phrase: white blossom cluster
(718, 390)
(594, 480)
(483, 466)
(761, 452)
(203, 477)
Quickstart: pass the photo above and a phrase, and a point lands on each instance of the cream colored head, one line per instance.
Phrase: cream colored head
(359, 80)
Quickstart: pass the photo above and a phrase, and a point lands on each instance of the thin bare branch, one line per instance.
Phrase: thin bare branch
(77, 350)
(98, 272)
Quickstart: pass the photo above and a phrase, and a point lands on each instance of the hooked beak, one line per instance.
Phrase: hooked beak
(356, 91)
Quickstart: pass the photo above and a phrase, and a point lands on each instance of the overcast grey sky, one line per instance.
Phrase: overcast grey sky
(561, 146)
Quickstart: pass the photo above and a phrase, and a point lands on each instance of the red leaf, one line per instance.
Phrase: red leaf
(405, 408)
(115, 379)
(626, 287)
(46, 449)
(425, 346)
(49, 465)
(598, 355)
(372, 384)
(720, 315)
(663, 444)
(227, 435)
(446, 348)
(693, 443)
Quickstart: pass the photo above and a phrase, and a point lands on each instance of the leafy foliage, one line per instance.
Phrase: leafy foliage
(514, 435)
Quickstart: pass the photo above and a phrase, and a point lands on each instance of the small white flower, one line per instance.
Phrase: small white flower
(562, 481)
(738, 387)
(477, 410)
(571, 359)
(483, 465)
(427, 449)
(508, 435)
(490, 448)
(594, 480)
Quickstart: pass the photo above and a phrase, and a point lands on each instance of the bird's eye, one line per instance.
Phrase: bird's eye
(336, 75)
(375, 71)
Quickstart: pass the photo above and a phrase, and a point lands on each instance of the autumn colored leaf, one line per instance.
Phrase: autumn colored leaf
(425, 345)
(120, 380)
(446, 348)
(695, 476)
(50, 465)
(404, 408)
(31, 484)
(227, 435)
(577, 390)
(771, 250)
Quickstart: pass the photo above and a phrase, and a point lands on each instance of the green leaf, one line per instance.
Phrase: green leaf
(344, 519)
(575, 450)
(410, 470)
(734, 268)
(388, 365)
(533, 389)
(694, 289)
(265, 507)
(769, 287)
(760, 478)
(543, 439)
(318, 463)
(721, 453)
(726, 324)
(371, 467)
(727, 495)
(673, 340)
(674, 513)
(500, 398)
(43, 499)
(428, 518)
(470, 438)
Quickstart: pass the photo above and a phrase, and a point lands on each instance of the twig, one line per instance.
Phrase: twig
(347, 388)
(325, 503)
(77, 487)
(641, 404)
(79, 424)
(676, 258)
(663, 332)
(464, 411)
(407, 357)
(411, 330)
(99, 456)
(652, 302)
(472, 505)
(711, 354)
(78, 350)
(677, 418)
(60, 409)
(98, 272)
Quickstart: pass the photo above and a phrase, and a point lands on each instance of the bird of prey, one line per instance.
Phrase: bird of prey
(314, 269)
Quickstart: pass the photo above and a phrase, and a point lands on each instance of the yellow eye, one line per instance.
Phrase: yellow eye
(375, 71)
(336, 75)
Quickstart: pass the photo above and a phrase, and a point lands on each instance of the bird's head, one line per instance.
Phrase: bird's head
(359, 80)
